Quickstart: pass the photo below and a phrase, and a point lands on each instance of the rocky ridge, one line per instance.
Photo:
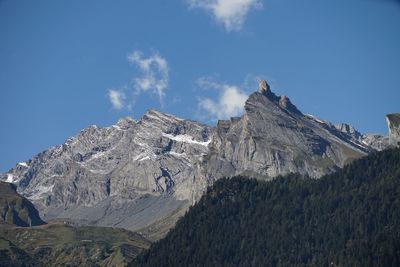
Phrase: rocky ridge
(274, 138)
(126, 175)
(137, 173)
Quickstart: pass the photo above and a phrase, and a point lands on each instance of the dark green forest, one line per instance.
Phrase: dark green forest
(348, 218)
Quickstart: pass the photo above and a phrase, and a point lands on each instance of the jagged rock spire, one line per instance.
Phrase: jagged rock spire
(393, 121)
(263, 86)
(283, 101)
(264, 89)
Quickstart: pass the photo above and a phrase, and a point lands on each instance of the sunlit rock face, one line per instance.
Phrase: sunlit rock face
(273, 137)
(147, 172)
(393, 121)
(134, 170)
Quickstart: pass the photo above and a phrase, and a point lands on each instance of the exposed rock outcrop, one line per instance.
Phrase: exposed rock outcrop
(127, 175)
(393, 121)
(376, 141)
(273, 137)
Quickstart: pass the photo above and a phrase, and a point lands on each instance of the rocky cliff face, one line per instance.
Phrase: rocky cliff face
(373, 141)
(126, 175)
(393, 121)
(273, 137)
(136, 174)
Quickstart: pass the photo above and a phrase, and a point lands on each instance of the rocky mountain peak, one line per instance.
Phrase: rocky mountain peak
(393, 121)
(349, 130)
(273, 137)
(285, 103)
(266, 97)
(263, 86)
(156, 116)
(346, 128)
(265, 90)
(125, 123)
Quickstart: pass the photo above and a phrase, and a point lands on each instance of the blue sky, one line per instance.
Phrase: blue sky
(65, 65)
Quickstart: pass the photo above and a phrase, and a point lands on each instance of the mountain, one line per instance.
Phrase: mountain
(273, 137)
(373, 141)
(348, 218)
(15, 209)
(126, 175)
(144, 174)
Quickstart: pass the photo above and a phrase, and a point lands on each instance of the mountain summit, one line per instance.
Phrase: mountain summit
(273, 138)
(125, 175)
(144, 174)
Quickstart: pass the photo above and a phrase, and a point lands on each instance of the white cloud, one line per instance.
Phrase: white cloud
(231, 13)
(230, 102)
(117, 98)
(155, 73)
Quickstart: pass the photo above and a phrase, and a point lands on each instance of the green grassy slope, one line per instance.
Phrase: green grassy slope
(63, 245)
(25, 240)
(15, 209)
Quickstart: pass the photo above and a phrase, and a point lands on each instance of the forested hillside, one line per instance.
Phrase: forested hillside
(349, 218)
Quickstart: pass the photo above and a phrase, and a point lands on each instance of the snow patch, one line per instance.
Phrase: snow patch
(10, 178)
(315, 118)
(97, 155)
(23, 164)
(186, 139)
(365, 142)
(72, 141)
(141, 144)
(145, 158)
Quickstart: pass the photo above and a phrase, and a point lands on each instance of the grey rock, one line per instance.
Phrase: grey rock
(144, 174)
(263, 87)
(273, 138)
(393, 121)
(103, 176)
(376, 141)
(350, 131)
(373, 141)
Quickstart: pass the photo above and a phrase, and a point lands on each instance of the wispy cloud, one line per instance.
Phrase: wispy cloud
(231, 13)
(153, 78)
(230, 102)
(155, 73)
(116, 98)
